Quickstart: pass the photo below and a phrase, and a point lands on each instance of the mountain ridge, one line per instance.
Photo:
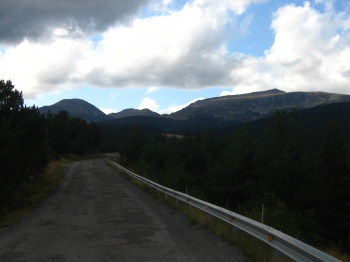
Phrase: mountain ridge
(207, 113)
(252, 106)
(134, 112)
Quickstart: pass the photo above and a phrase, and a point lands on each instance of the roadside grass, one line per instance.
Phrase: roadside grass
(30, 194)
(253, 249)
(335, 252)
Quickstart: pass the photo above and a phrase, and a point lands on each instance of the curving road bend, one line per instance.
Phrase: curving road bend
(96, 215)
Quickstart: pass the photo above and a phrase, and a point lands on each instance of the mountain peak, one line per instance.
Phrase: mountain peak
(134, 112)
(274, 91)
(78, 108)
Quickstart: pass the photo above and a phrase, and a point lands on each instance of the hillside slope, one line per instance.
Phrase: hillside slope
(77, 108)
(315, 120)
(249, 107)
(134, 112)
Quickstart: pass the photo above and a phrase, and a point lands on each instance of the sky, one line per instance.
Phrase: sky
(165, 54)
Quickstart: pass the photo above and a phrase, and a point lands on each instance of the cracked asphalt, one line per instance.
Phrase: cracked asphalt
(97, 215)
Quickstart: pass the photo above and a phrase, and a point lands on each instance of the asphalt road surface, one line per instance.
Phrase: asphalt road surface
(97, 215)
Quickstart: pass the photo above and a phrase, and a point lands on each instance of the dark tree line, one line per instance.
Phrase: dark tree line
(305, 189)
(71, 135)
(29, 140)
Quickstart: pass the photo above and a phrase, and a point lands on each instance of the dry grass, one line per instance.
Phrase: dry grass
(335, 252)
(254, 250)
(30, 194)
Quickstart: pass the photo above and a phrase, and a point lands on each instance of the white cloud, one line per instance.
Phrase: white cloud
(183, 49)
(152, 89)
(176, 108)
(37, 68)
(328, 4)
(167, 2)
(186, 48)
(108, 111)
(311, 52)
(149, 103)
(152, 104)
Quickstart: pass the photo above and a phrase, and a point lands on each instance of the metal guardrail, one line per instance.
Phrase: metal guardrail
(287, 245)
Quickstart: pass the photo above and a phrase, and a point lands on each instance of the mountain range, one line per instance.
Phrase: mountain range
(208, 113)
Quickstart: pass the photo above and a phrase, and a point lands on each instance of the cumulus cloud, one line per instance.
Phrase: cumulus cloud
(36, 19)
(152, 89)
(37, 68)
(108, 111)
(167, 2)
(175, 108)
(183, 48)
(149, 103)
(311, 52)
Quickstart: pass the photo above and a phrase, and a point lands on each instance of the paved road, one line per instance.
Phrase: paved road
(97, 215)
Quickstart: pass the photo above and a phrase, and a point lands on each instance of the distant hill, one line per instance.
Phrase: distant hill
(77, 108)
(134, 112)
(249, 107)
(315, 121)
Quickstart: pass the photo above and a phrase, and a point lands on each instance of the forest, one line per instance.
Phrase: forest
(29, 140)
(304, 186)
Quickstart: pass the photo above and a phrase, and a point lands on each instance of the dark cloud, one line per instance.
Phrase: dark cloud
(35, 19)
